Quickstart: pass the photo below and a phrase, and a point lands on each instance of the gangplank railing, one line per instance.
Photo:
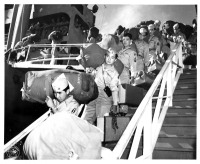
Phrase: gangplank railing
(142, 119)
(144, 123)
(49, 59)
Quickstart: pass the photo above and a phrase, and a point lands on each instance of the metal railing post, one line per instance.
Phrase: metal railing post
(53, 55)
(180, 57)
(147, 145)
(169, 82)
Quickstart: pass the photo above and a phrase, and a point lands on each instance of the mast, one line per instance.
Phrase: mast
(19, 24)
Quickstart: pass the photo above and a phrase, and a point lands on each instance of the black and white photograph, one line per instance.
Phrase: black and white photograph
(96, 81)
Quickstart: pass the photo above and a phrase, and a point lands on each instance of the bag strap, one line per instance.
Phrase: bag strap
(103, 75)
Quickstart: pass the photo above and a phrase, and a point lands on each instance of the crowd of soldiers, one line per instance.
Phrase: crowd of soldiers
(158, 40)
(78, 137)
(145, 44)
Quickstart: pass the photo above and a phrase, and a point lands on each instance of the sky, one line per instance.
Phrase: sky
(110, 16)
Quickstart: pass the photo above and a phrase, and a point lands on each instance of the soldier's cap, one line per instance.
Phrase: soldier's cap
(143, 31)
(157, 22)
(60, 83)
(151, 26)
(176, 26)
(112, 50)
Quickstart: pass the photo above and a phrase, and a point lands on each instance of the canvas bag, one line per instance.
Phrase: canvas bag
(37, 85)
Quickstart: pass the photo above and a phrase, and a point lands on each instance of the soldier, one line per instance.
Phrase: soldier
(107, 80)
(143, 51)
(93, 35)
(128, 57)
(157, 24)
(154, 43)
(178, 36)
(63, 135)
(61, 88)
(157, 29)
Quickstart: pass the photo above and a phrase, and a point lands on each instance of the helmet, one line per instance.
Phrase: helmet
(157, 22)
(151, 26)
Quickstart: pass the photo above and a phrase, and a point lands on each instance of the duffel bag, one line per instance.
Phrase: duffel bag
(119, 66)
(92, 56)
(37, 85)
(130, 95)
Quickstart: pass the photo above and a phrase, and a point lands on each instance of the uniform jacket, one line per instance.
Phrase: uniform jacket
(154, 45)
(128, 58)
(178, 37)
(108, 77)
(143, 50)
(70, 105)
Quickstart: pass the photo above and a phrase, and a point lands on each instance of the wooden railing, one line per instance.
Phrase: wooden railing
(144, 123)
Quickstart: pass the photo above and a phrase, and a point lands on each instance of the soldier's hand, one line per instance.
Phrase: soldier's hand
(114, 109)
(49, 102)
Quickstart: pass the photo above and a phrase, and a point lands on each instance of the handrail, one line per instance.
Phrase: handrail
(54, 56)
(59, 45)
(27, 130)
(39, 59)
(142, 119)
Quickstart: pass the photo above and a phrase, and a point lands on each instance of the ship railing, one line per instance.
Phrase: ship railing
(45, 55)
(145, 125)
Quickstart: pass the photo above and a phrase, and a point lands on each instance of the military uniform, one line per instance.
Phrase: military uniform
(101, 106)
(143, 54)
(63, 135)
(178, 37)
(70, 105)
(158, 34)
(128, 58)
(154, 46)
(164, 46)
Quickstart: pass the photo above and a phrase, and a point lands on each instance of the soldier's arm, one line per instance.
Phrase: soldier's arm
(146, 55)
(133, 59)
(158, 46)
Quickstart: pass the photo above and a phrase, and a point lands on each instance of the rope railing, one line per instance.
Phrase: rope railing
(142, 122)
